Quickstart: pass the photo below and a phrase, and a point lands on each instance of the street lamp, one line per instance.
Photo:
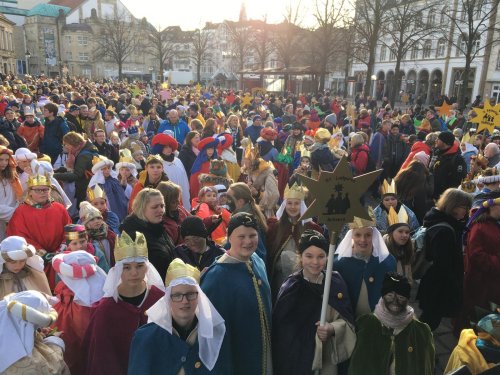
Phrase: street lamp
(374, 78)
(27, 55)
(151, 72)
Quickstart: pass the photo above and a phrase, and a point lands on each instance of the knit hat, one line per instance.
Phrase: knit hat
(74, 232)
(278, 120)
(422, 157)
(322, 135)
(165, 140)
(313, 238)
(446, 138)
(193, 226)
(239, 219)
(88, 212)
(397, 283)
(268, 134)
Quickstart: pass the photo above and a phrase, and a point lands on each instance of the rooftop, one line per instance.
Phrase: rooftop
(47, 10)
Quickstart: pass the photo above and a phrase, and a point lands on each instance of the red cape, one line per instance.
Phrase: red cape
(110, 333)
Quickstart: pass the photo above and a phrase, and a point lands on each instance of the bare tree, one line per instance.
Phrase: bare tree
(329, 15)
(118, 38)
(406, 30)
(286, 39)
(473, 24)
(239, 35)
(199, 53)
(162, 44)
(261, 43)
(369, 18)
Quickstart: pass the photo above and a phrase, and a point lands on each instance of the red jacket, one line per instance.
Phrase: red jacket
(417, 147)
(359, 158)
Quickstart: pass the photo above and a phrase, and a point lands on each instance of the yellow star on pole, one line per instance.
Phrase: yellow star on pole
(487, 117)
(445, 110)
(337, 196)
(246, 100)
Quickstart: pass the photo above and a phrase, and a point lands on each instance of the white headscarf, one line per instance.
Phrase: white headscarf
(344, 249)
(114, 278)
(17, 339)
(16, 248)
(80, 273)
(303, 209)
(44, 167)
(98, 177)
(211, 326)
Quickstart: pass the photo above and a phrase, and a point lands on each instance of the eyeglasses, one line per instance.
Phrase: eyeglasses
(178, 297)
(40, 191)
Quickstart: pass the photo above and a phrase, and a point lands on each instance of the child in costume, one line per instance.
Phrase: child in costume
(99, 235)
(105, 177)
(97, 198)
(81, 285)
(12, 189)
(127, 172)
(25, 347)
(20, 268)
(77, 239)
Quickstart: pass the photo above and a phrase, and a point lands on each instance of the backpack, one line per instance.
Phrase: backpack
(423, 260)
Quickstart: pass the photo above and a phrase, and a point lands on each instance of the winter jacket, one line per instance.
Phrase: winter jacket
(449, 169)
(32, 134)
(395, 152)
(52, 139)
(180, 129)
(359, 158)
(417, 147)
(187, 157)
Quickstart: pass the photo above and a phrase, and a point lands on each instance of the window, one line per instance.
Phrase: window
(392, 55)
(83, 40)
(477, 11)
(383, 53)
(67, 39)
(431, 18)
(498, 61)
(69, 55)
(441, 46)
(83, 56)
(461, 45)
(476, 45)
(427, 49)
(414, 52)
(444, 16)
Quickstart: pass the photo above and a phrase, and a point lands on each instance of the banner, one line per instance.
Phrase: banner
(49, 45)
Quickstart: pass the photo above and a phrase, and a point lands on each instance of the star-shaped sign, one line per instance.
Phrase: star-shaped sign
(337, 196)
(487, 117)
(445, 110)
(246, 100)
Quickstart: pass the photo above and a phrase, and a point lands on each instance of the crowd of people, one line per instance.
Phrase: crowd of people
(148, 229)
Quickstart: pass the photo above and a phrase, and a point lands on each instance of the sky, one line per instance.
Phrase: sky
(191, 14)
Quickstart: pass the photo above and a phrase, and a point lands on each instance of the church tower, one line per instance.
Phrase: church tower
(243, 12)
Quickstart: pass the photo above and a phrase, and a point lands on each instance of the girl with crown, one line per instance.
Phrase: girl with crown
(97, 198)
(31, 217)
(77, 239)
(390, 199)
(80, 287)
(185, 331)
(105, 177)
(363, 260)
(20, 268)
(11, 191)
(127, 172)
(165, 146)
(132, 286)
(283, 236)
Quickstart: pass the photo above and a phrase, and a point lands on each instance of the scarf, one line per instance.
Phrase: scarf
(395, 322)
(318, 146)
(70, 160)
(100, 233)
(16, 278)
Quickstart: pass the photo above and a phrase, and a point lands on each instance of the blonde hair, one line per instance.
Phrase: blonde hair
(73, 139)
(452, 199)
(357, 139)
(142, 199)
(242, 191)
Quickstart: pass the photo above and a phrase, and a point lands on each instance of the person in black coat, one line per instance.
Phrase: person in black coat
(104, 148)
(147, 218)
(395, 152)
(441, 288)
(321, 156)
(187, 154)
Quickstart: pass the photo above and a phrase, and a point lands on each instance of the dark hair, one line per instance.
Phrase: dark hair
(403, 253)
(410, 180)
(52, 108)
(189, 137)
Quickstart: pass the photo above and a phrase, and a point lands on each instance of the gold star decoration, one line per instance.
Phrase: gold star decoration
(488, 117)
(337, 196)
(445, 110)
(246, 100)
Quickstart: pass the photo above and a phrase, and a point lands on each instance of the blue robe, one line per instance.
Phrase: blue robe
(113, 221)
(354, 271)
(154, 351)
(118, 202)
(230, 288)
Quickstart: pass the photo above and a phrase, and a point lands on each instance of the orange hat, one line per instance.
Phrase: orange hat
(268, 134)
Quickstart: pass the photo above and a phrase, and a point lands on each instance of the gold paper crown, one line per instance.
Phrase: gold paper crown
(125, 152)
(388, 188)
(98, 159)
(397, 218)
(95, 192)
(359, 222)
(295, 192)
(127, 248)
(39, 180)
(126, 159)
(154, 157)
(178, 268)
(304, 152)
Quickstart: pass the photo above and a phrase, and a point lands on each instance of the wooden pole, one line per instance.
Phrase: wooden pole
(328, 282)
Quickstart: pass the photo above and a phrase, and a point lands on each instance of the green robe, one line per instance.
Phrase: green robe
(413, 346)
